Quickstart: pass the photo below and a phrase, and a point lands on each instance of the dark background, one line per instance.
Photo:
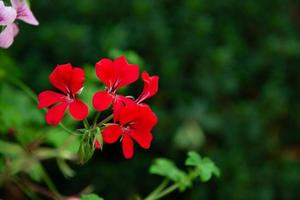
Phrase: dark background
(229, 88)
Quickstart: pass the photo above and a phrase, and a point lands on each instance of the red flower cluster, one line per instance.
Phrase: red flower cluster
(133, 120)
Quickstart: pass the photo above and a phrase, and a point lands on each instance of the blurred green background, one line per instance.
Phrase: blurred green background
(229, 88)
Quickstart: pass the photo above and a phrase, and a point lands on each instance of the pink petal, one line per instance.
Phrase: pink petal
(7, 35)
(7, 14)
(78, 110)
(23, 12)
(150, 87)
(101, 100)
(111, 133)
(55, 114)
(61, 77)
(127, 146)
(77, 80)
(47, 98)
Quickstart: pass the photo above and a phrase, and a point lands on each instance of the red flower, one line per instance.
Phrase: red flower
(114, 74)
(70, 81)
(131, 121)
(150, 87)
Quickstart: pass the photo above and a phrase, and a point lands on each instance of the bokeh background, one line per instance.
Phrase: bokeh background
(229, 89)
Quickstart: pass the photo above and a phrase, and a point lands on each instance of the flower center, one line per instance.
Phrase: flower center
(70, 98)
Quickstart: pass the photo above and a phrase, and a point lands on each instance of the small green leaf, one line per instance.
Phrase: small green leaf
(86, 148)
(194, 159)
(167, 168)
(205, 167)
(10, 149)
(91, 197)
(98, 137)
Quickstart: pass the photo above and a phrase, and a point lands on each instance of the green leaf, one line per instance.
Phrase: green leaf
(98, 137)
(91, 197)
(65, 168)
(10, 149)
(205, 167)
(167, 168)
(86, 148)
(35, 171)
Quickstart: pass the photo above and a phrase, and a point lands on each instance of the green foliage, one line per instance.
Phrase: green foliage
(202, 167)
(230, 66)
(205, 168)
(86, 149)
(168, 169)
(87, 144)
(91, 197)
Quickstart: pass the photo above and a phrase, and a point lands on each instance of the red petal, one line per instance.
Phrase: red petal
(126, 73)
(101, 100)
(141, 115)
(127, 146)
(61, 77)
(78, 110)
(119, 101)
(105, 72)
(150, 87)
(116, 74)
(55, 114)
(47, 98)
(111, 133)
(77, 80)
(97, 144)
(142, 138)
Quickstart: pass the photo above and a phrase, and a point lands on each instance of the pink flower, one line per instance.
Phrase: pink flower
(7, 14)
(19, 10)
(23, 12)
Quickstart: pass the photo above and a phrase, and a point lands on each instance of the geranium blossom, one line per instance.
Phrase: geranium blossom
(69, 81)
(150, 87)
(7, 14)
(131, 122)
(23, 12)
(19, 10)
(114, 74)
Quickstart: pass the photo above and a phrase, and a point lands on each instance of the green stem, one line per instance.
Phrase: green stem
(160, 192)
(157, 190)
(107, 119)
(25, 88)
(28, 192)
(96, 119)
(51, 185)
(165, 192)
(86, 124)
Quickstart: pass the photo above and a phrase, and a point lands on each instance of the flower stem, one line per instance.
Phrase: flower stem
(24, 87)
(107, 119)
(161, 191)
(166, 191)
(96, 119)
(86, 124)
(51, 185)
(161, 186)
